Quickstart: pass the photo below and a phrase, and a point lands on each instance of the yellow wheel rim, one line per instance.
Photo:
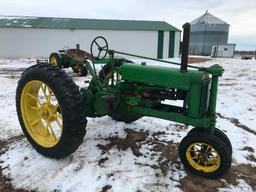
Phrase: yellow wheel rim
(53, 61)
(41, 113)
(203, 157)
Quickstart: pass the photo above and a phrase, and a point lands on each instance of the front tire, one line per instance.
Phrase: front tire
(205, 155)
(217, 132)
(50, 109)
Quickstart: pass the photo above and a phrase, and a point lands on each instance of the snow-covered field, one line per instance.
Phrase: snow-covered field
(137, 157)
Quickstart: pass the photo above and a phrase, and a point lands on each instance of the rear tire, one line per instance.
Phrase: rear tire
(82, 71)
(70, 107)
(105, 72)
(122, 113)
(55, 60)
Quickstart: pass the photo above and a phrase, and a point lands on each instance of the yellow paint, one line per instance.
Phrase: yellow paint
(41, 113)
(203, 157)
(53, 61)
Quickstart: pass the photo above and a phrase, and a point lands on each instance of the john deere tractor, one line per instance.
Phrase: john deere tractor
(52, 109)
(74, 58)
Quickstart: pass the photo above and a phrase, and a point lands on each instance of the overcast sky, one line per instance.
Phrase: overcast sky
(240, 14)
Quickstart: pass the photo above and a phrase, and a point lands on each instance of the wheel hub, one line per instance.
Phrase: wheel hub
(48, 112)
(203, 157)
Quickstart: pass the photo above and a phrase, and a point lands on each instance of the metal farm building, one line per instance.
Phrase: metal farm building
(207, 31)
(39, 36)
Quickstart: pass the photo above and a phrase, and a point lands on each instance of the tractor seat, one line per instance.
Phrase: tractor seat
(161, 76)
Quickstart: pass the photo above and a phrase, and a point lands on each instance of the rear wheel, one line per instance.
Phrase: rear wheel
(50, 109)
(205, 155)
(82, 71)
(105, 72)
(121, 113)
(55, 60)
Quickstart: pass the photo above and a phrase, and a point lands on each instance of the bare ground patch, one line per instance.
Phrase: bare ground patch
(197, 60)
(193, 183)
(11, 73)
(237, 123)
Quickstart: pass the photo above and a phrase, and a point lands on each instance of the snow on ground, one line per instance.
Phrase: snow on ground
(141, 156)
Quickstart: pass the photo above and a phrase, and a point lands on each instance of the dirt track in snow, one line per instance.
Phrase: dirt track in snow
(168, 151)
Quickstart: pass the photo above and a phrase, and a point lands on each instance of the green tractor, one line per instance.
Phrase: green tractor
(52, 110)
(74, 58)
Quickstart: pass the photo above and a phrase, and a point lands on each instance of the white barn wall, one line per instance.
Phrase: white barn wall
(166, 44)
(28, 42)
(177, 44)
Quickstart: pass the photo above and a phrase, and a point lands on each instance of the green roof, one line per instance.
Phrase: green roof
(75, 23)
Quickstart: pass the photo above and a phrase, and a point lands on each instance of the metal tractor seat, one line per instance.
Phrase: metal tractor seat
(78, 55)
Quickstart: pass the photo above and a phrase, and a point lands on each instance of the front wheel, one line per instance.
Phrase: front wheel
(50, 109)
(217, 132)
(205, 155)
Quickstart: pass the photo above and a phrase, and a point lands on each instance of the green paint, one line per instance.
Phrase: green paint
(171, 44)
(161, 76)
(160, 45)
(204, 122)
(143, 88)
(75, 23)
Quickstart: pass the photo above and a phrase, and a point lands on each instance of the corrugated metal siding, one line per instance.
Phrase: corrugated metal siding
(207, 31)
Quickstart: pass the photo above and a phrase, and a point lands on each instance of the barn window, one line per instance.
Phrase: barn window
(225, 49)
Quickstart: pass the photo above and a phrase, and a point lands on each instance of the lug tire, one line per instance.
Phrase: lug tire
(220, 148)
(69, 100)
(104, 74)
(57, 60)
(121, 114)
(82, 71)
(217, 132)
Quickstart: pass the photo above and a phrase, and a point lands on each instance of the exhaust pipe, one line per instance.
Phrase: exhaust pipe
(185, 47)
(78, 46)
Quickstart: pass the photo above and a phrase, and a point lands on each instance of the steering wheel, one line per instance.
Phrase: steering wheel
(99, 48)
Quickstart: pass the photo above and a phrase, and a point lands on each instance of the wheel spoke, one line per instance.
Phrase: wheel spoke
(35, 122)
(50, 94)
(44, 90)
(32, 96)
(35, 108)
(56, 107)
(51, 130)
(97, 44)
(215, 161)
(59, 116)
(59, 124)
